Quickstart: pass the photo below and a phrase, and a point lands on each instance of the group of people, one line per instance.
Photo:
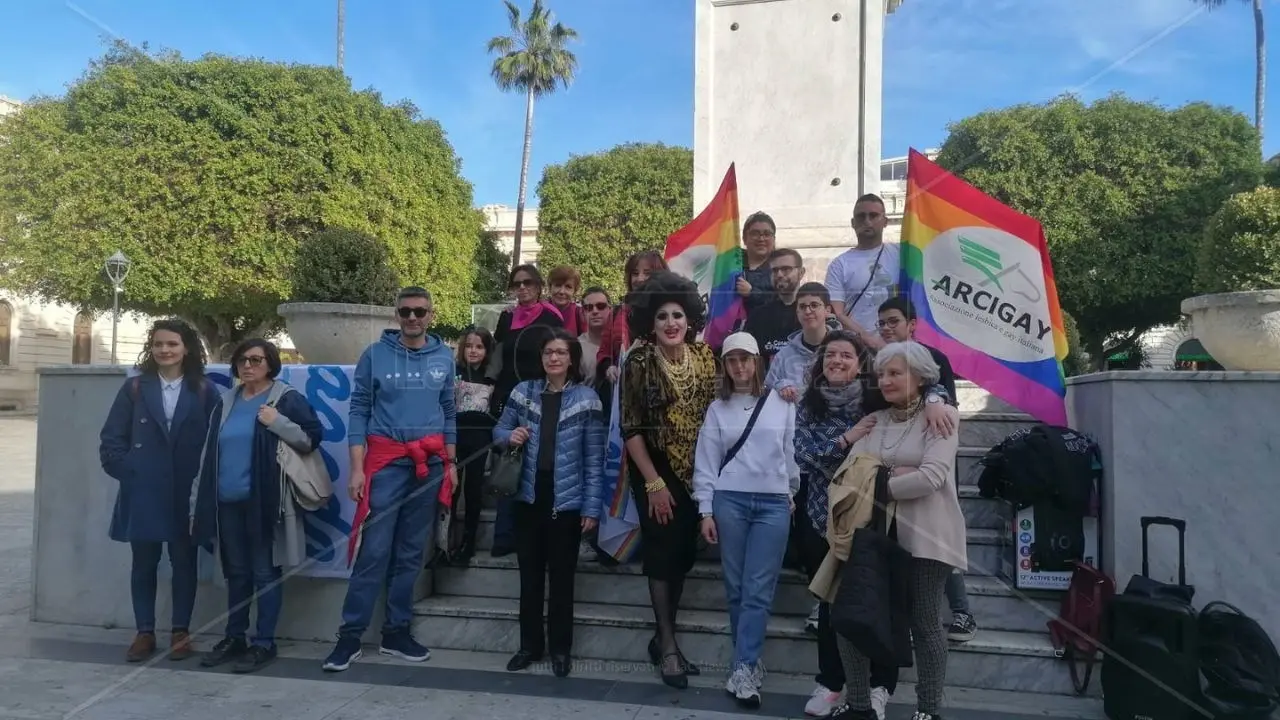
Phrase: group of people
(750, 446)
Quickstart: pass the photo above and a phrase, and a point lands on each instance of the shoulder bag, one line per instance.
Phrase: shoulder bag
(309, 481)
(742, 439)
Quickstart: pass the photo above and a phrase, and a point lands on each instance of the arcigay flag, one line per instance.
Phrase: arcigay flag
(979, 275)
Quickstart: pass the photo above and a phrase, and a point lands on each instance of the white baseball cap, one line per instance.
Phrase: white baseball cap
(740, 341)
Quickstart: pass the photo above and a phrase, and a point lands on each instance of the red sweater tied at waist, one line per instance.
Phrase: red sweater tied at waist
(382, 451)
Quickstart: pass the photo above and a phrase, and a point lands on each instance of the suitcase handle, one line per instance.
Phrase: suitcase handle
(1181, 527)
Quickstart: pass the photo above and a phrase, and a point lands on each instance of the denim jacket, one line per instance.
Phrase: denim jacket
(580, 445)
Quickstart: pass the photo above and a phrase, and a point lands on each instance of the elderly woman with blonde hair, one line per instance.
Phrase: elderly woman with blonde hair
(929, 523)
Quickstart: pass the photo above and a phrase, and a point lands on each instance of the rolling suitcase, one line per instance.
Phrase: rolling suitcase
(1152, 670)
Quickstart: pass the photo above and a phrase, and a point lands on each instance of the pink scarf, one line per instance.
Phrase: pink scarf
(523, 315)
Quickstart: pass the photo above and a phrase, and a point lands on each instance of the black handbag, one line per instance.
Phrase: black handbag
(872, 605)
(504, 475)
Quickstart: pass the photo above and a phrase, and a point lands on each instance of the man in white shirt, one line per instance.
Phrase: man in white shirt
(864, 276)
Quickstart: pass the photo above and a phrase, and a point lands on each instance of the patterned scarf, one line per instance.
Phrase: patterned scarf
(817, 445)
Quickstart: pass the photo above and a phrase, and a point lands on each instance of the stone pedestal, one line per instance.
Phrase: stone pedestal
(1200, 446)
(81, 577)
(789, 90)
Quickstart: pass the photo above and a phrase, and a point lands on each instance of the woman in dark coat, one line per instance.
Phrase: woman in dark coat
(151, 443)
(238, 500)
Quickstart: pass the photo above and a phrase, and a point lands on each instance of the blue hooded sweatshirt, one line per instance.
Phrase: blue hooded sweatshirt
(402, 393)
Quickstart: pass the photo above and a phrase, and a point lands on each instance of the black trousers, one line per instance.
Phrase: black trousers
(547, 552)
(473, 456)
(813, 548)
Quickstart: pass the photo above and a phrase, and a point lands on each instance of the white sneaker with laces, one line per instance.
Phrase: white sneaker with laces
(823, 702)
(879, 701)
(741, 685)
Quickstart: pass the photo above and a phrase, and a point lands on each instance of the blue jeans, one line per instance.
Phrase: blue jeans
(402, 518)
(753, 530)
(251, 575)
(144, 582)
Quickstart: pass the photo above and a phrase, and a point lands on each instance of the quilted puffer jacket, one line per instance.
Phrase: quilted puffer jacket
(580, 444)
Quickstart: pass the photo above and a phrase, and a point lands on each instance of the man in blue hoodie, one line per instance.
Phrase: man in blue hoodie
(401, 434)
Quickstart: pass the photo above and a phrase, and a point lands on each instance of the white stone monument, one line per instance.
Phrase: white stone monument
(789, 90)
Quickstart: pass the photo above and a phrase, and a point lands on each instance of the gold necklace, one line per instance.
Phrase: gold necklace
(679, 371)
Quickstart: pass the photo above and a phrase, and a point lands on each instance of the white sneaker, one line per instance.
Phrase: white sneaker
(823, 702)
(879, 701)
(585, 551)
(757, 674)
(741, 685)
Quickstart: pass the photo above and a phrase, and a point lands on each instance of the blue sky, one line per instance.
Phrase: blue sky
(944, 60)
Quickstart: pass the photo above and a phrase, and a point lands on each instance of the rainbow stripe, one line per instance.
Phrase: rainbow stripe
(979, 275)
(707, 251)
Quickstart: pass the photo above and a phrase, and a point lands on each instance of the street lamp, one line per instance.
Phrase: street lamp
(117, 270)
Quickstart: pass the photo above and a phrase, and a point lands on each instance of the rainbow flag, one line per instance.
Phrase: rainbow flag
(707, 251)
(979, 275)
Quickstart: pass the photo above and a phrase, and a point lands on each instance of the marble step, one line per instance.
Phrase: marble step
(973, 398)
(993, 602)
(995, 659)
(983, 545)
(983, 513)
(984, 429)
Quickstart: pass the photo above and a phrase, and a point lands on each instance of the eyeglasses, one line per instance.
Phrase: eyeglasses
(524, 283)
(673, 315)
(811, 307)
(251, 360)
(784, 269)
(598, 307)
(890, 323)
(555, 352)
(761, 234)
(418, 312)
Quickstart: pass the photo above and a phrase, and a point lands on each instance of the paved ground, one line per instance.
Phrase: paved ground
(50, 671)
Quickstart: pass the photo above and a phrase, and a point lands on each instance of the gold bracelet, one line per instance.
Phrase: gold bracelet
(655, 485)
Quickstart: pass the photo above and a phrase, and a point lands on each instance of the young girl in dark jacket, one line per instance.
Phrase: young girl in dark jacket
(473, 391)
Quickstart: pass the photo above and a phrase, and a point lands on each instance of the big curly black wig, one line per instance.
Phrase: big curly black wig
(663, 287)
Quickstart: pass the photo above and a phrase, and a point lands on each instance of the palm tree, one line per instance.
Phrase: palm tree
(532, 59)
(1260, 50)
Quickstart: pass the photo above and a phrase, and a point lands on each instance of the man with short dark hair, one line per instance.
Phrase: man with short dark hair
(776, 320)
(897, 323)
(401, 435)
(866, 275)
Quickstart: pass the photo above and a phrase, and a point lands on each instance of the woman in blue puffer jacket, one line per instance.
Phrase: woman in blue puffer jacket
(560, 424)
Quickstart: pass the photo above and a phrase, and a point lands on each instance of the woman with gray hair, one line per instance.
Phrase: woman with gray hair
(928, 520)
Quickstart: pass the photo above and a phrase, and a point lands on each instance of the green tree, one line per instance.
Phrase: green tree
(597, 209)
(1259, 59)
(533, 59)
(1241, 247)
(1123, 189)
(208, 174)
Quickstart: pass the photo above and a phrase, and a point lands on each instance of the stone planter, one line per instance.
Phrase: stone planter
(334, 333)
(1241, 330)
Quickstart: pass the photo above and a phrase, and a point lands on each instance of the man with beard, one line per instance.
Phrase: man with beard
(776, 320)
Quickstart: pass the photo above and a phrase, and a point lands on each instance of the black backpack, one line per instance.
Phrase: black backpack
(1238, 663)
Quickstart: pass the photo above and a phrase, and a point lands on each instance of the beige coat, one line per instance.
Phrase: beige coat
(930, 522)
(850, 500)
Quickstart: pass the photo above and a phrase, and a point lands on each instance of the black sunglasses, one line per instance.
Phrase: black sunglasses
(526, 282)
(418, 312)
(600, 306)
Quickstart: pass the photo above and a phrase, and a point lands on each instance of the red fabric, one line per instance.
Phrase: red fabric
(575, 319)
(614, 336)
(382, 451)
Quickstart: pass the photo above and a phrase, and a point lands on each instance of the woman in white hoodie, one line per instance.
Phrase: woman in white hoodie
(744, 478)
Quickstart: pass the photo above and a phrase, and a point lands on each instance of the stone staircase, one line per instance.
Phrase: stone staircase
(475, 608)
